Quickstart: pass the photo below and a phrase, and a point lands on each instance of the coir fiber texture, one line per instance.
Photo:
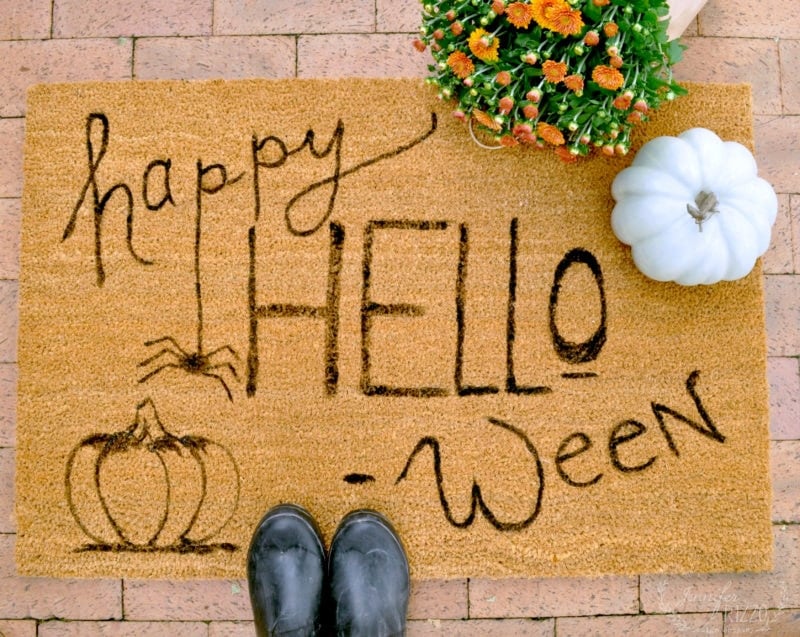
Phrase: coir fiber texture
(236, 294)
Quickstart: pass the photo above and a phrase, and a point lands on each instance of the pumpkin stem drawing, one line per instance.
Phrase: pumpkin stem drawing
(146, 489)
(707, 203)
(172, 355)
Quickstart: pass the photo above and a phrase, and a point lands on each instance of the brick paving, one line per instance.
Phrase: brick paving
(57, 40)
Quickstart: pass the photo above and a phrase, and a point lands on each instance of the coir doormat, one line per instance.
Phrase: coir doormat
(235, 294)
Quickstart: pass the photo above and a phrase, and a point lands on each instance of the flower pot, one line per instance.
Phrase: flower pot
(681, 14)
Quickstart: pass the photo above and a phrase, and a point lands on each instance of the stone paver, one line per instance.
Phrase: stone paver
(67, 40)
(202, 58)
(114, 18)
(29, 62)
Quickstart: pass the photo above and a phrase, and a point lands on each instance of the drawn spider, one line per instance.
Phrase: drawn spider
(198, 362)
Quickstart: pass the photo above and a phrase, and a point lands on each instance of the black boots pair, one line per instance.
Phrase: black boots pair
(360, 590)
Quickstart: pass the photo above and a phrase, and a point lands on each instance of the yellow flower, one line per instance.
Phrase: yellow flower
(484, 45)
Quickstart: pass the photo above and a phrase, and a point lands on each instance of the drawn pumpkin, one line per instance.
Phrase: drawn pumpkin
(144, 488)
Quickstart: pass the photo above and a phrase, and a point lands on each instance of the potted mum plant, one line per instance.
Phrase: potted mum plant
(570, 75)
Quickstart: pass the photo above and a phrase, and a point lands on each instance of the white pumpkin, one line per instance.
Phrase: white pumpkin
(693, 209)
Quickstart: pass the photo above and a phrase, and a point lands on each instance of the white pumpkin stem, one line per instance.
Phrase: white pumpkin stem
(706, 206)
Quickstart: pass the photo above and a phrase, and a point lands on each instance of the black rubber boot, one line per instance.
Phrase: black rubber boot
(369, 578)
(286, 573)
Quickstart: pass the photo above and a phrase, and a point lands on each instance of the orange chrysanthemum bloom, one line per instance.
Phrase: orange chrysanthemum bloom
(550, 134)
(484, 45)
(608, 77)
(461, 64)
(610, 29)
(574, 82)
(565, 155)
(519, 14)
(541, 10)
(554, 71)
(484, 120)
(566, 21)
(508, 141)
(622, 102)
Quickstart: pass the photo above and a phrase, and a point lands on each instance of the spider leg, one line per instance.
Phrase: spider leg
(163, 352)
(223, 365)
(158, 369)
(167, 339)
(223, 349)
(224, 384)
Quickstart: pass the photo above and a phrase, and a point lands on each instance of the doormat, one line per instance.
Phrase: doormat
(236, 294)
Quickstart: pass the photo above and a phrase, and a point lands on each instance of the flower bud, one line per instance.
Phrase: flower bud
(641, 106)
(592, 38)
(530, 111)
(534, 95)
(460, 115)
(503, 78)
(572, 126)
(468, 81)
(530, 58)
(419, 45)
(456, 28)
(505, 105)
(450, 15)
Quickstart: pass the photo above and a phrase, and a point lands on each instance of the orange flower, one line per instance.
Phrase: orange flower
(616, 61)
(550, 134)
(461, 64)
(565, 155)
(519, 14)
(498, 6)
(505, 105)
(622, 102)
(457, 28)
(600, 3)
(419, 45)
(484, 120)
(554, 71)
(574, 82)
(484, 45)
(608, 77)
(508, 141)
(530, 111)
(592, 38)
(556, 15)
(503, 78)
(566, 21)
(610, 29)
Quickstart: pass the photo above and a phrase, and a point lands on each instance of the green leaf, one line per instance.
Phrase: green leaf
(675, 51)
